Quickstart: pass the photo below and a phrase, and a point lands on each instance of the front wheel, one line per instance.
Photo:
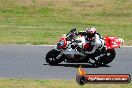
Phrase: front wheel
(51, 57)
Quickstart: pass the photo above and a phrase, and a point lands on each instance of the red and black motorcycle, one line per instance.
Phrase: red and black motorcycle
(74, 50)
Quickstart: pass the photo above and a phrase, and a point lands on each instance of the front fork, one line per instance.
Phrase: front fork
(61, 53)
(59, 56)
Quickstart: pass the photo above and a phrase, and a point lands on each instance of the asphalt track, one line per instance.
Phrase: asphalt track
(27, 62)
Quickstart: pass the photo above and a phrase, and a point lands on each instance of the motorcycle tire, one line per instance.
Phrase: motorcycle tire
(51, 57)
(107, 58)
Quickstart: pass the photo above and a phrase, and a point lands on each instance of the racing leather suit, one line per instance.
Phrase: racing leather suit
(97, 43)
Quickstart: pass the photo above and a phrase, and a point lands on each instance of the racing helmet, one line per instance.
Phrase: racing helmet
(90, 33)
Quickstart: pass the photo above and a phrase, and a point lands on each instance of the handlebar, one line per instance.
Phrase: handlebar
(73, 31)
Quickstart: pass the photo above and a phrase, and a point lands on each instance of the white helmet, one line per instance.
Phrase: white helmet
(90, 32)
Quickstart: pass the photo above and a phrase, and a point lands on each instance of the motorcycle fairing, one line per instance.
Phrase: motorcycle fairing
(112, 42)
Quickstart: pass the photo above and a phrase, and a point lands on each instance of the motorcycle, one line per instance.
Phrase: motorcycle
(74, 50)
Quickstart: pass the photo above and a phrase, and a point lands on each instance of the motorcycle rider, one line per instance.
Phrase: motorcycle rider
(90, 36)
(96, 40)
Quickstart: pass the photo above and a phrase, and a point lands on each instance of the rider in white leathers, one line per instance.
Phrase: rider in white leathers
(89, 36)
(95, 39)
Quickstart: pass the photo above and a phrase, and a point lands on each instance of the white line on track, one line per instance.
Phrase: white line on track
(55, 45)
(45, 45)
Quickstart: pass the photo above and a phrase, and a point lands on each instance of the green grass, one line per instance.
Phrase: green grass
(45, 21)
(16, 83)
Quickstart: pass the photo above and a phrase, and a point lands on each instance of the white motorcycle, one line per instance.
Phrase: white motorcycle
(74, 50)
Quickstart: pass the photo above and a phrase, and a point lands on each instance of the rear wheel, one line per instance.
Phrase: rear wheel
(51, 57)
(107, 58)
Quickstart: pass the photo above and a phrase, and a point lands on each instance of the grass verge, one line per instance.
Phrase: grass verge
(44, 21)
(15, 83)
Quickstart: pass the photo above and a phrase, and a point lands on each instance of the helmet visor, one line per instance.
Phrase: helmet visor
(90, 35)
